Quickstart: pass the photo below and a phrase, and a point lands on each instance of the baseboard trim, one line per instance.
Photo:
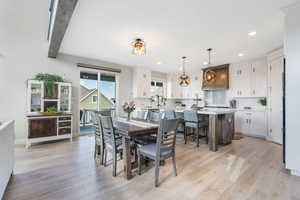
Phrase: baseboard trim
(295, 173)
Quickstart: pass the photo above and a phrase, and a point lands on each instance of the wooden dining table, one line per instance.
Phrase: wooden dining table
(130, 130)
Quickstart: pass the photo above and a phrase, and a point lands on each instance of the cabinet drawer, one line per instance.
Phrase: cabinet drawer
(64, 124)
(63, 131)
(64, 118)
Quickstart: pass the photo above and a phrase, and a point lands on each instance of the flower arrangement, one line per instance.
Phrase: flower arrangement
(128, 108)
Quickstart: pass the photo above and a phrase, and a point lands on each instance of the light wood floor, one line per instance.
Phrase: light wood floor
(248, 169)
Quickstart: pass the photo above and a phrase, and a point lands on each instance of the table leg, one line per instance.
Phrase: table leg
(213, 140)
(127, 157)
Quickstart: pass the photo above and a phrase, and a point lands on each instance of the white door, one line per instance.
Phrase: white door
(276, 106)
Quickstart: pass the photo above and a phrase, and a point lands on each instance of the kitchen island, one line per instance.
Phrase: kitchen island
(221, 125)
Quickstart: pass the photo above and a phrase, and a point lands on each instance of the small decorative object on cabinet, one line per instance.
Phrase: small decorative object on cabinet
(49, 114)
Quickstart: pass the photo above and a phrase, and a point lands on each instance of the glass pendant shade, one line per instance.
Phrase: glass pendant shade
(184, 79)
(139, 47)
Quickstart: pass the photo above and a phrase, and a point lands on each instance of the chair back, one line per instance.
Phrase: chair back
(170, 114)
(108, 131)
(141, 114)
(104, 112)
(190, 116)
(166, 136)
(94, 118)
(155, 116)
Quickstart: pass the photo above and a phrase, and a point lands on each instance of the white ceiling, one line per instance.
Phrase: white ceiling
(172, 28)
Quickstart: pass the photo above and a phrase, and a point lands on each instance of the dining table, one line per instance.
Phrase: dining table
(130, 129)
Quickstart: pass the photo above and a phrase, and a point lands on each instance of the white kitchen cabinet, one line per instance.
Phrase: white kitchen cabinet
(259, 78)
(141, 83)
(248, 79)
(175, 91)
(251, 123)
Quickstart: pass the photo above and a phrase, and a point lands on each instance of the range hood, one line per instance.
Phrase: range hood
(216, 78)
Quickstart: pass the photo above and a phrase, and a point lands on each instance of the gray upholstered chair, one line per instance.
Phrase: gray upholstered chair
(141, 114)
(169, 114)
(99, 142)
(196, 122)
(144, 139)
(163, 149)
(111, 141)
(154, 116)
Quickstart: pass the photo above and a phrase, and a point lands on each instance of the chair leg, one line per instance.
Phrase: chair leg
(139, 163)
(198, 136)
(185, 135)
(174, 165)
(206, 133)
(115, 164)
(105, 157)
(157, 163)
(95, 151)
(102, 154)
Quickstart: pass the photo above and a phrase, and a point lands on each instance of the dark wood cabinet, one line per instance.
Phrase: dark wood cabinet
(42, 127)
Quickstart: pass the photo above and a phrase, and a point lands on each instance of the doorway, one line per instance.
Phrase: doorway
(98, 91)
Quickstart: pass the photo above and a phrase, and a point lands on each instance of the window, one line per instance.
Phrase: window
(94, 99)
(157, 88)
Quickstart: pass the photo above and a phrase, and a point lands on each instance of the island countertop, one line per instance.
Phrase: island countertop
(213, 111)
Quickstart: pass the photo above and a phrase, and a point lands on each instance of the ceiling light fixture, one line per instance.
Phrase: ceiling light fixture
(209, 57)
(205, 63)
(138, 47)
(209, 75)
(252, 33)
(184, 79)
(241, 55)
(159, 63)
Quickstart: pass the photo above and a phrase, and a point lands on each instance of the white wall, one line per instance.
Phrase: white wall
(292, 53)
(23, 53)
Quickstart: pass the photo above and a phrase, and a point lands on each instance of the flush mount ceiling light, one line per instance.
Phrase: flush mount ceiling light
(138, 47)
(252, 33)
(184, 79)
(159, 63)
(241, 55)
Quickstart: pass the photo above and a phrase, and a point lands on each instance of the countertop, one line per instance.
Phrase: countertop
(43, 115)
(213, 111)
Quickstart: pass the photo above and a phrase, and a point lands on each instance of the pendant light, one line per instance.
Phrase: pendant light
(209, 75)
(184, 79)
(138, 47)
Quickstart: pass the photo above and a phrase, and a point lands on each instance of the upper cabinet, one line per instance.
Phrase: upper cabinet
(141, 83)
(249, 79)
(192, 91)
(40, 98)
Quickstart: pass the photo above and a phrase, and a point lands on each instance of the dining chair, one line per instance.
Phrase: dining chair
(99, 142)
(171, 114)
(196, 122)
(154, 116)
(163, 149)
(143, 139)
(112, 142)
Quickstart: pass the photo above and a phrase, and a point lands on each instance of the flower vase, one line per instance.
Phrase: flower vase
(128, 116)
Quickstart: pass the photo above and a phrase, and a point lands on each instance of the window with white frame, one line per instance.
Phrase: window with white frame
(94, 99)
(157, 87)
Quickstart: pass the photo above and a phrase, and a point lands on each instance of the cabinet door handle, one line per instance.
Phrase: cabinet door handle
(253, 91)
(247, 121)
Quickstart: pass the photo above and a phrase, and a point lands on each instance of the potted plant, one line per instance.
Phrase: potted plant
(128, 108)
(51, 90)
(263, 101)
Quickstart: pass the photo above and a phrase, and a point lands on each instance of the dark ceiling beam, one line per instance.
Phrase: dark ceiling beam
(64, 11)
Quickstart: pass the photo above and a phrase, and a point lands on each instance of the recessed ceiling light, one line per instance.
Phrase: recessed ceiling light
(252, 33)
(205, 63)
(159, 63)
(241, 54)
